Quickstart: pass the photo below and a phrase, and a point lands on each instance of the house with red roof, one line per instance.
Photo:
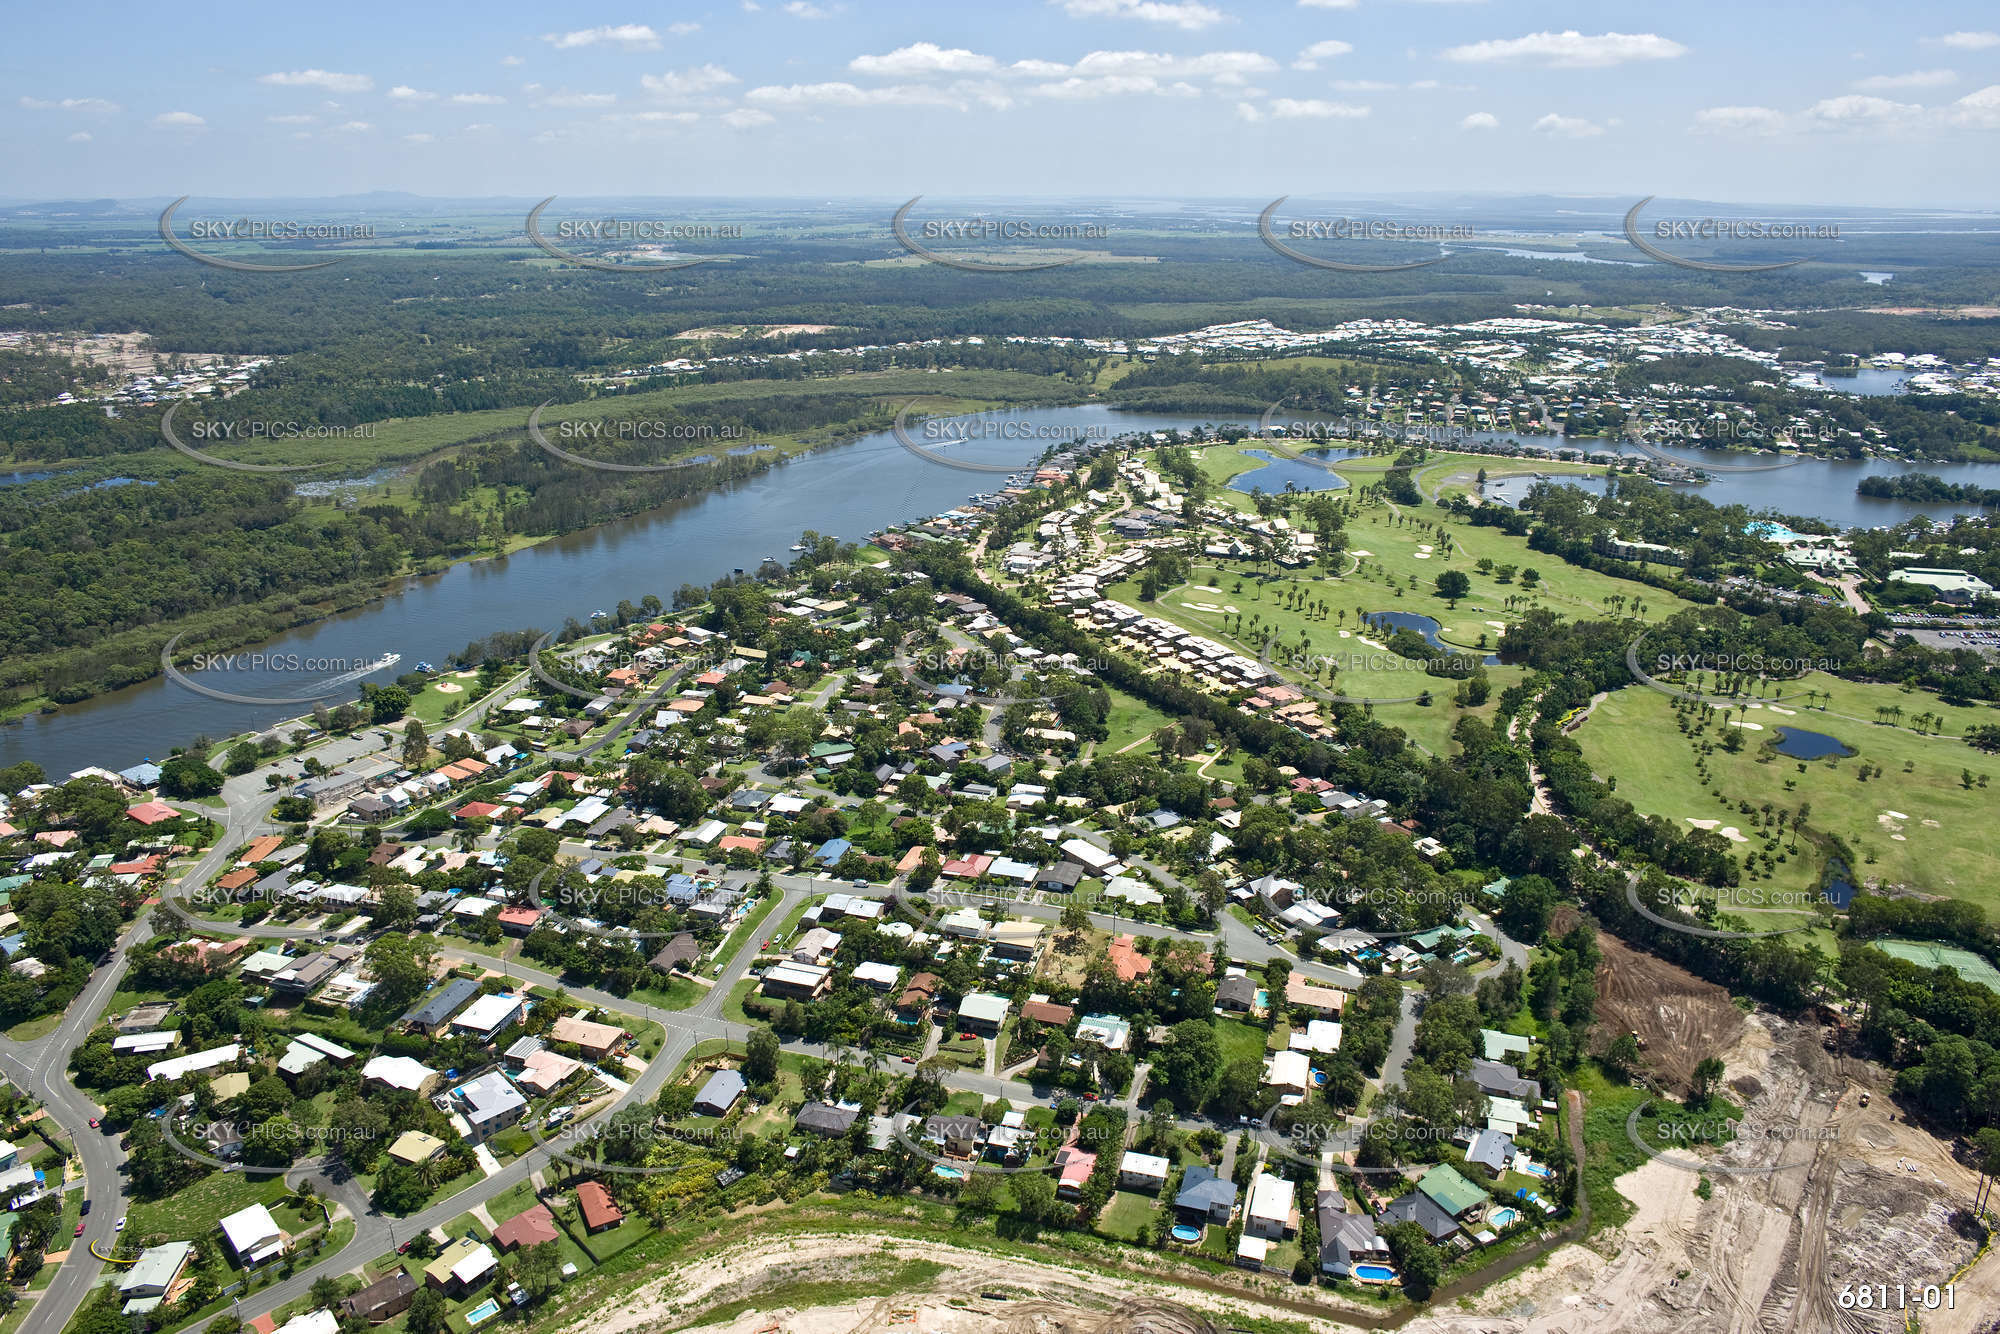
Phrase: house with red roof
(599, 1210)
(967, 868)
(1126, 961)
(532, 1227)
(150, 813)
(518, 921)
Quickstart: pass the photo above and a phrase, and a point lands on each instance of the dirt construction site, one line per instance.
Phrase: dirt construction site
(1815, 1193)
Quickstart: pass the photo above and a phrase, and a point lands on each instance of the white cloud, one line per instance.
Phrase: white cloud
(1568, 127)
(1980, 110)
(1968, 41)
(1246, 111)
(94, 105)
(848, 95)
(921, 58)
(692, 82)
(511, 61)
(804, 9)
(659, 117)
(1739, 120)
(1856, 109)
(294, 119)
(319, 78)
(1229, 67)
(1328, 4)
(746, 118)
(479, 127)
(1113, 85)
(478, 99)
(1188, 15)
(682, 29)
(354, 127)
(1362, 86)
(179, 120)
(1318, 51)
(1038, 69)
(1480, 120)
(631, 36)
(402, 92)
(419, 138)
(1292, 108)
(1922, 78)
(80, 137)
(1569, 50)
(579, 99)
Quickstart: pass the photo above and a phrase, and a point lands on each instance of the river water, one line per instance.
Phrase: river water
(851, 490)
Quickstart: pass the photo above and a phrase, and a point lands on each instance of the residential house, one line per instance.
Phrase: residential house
(253, 1235)
(1142, 1171)
(489, 1103)
(1273, 1212)
(153, 1276)
(490, 1015)
(1205, 1197)
(1236, 993)
(1492, 1150)
(720, 1093)
(1346, 1239)
(599, 1210)
(824, 1118)
(596, 1041)
(796, 981)
(530, 1227)
(460, 1267)
(1073, 1168)
(1450, 1191)
(383, 1300)
(984, 1012)
(436, 1009)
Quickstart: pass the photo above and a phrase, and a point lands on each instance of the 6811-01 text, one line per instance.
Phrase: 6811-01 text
(1897, 1297)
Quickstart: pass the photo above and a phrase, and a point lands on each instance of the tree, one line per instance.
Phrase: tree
(400, 1190)
(185, 776)
(416, 744)
(1623, 1054)
(1034, 1198)
(388, 704)
(402, 966)
(427, 1311)
(1707, 1075)
(760, 1057)
(1416, 1259)
(1453, 585)
(325, 1292)
(240, 759)
(1187, 1062)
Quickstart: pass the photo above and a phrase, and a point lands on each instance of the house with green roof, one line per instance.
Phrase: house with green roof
(1449, 1191)
(1502, 1046)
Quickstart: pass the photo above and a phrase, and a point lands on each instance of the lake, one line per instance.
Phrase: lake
(1278, 472)
(1800, 744)
(1423, 625)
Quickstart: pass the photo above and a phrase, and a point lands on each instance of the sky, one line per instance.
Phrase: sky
(1884, 105)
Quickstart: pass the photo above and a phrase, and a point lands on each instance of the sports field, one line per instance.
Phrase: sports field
(1970, 966)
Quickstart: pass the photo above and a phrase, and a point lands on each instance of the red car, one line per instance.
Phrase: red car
(79, 1229)
(404, 1249)
(93, 1123)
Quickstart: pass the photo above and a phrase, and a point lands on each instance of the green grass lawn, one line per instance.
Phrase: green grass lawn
(1608, 1153)
(744, 930)
(1131, 720)
(1127, 1214)
(1944, 846)
(192, 1212)
(1241, 1041)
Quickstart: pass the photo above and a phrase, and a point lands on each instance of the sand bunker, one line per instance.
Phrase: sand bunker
(449, 688)
(1498, 625)
(1359, 552)
(1730, 832)
(1894, 815)
(1420, 555)
(1779, 708)
(1748, 727)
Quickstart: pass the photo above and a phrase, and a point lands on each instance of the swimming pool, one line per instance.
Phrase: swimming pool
(486, 1310)
(1375, 1273)
(1182, 1232)
(1535, 1169)
(1504, 1217)
(948, 1173)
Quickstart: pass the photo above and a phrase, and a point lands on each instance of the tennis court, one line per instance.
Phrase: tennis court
(1926, 954)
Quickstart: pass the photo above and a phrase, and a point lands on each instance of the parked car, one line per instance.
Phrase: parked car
(79, 1229)
(121, 1224)
(86, 1208)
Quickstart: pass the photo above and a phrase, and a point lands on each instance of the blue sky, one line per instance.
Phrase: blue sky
(1845, 103)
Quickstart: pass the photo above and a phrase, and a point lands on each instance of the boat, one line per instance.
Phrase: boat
(426, 667)
(798, 546)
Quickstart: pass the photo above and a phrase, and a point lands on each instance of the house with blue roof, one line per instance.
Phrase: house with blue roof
(831, 851)
(144, 775)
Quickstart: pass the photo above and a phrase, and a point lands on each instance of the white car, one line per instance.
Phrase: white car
(121, 1224)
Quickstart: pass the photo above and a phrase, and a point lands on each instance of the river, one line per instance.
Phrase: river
(849, 490)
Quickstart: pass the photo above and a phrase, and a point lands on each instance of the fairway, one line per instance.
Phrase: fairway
(1917, 826)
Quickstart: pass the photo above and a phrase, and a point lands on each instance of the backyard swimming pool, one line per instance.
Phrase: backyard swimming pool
(948, 1173)
(1504, 1217)
(1182, 1232)
(1375, 1273)
(486, 1310)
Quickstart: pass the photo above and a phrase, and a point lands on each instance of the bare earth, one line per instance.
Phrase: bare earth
(1862, 1199)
